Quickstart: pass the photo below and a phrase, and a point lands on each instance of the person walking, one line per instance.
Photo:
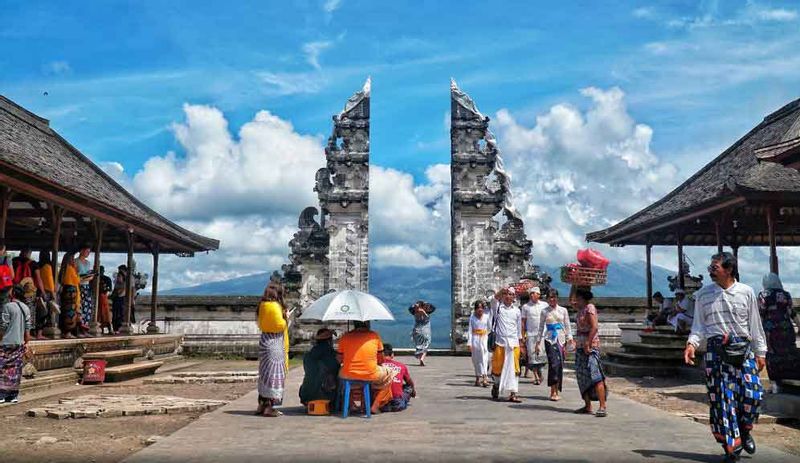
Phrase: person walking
(531, 316)
(508, 341)
(726, 316)
(421, 333)
(478, 338)
(775, 308)
(554, 321)
(588, 367)
(273, 348)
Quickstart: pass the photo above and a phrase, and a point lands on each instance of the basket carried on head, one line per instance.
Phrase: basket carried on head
(584, 276)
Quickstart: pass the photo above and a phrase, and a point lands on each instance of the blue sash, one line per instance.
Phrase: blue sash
(552, 331)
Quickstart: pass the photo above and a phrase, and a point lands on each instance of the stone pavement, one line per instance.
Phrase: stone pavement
(450, 421)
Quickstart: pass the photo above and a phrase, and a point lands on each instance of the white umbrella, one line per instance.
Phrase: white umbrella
(347, 304)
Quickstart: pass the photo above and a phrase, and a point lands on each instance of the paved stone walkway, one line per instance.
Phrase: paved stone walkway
(450, 421)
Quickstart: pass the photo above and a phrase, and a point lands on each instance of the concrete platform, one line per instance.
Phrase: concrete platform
(450, 421)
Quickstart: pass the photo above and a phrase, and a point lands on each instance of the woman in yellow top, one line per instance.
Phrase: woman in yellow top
(70, 296)
(273, 350)
(48, 293)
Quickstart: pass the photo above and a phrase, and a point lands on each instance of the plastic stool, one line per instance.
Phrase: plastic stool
(367, 402)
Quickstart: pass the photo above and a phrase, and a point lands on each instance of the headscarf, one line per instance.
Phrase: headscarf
(772, 281)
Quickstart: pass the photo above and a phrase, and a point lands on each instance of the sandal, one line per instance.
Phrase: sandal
(273, 413)
(601, 413)
(583, 411)
(555, 398)
(514, 399)
(536, 382)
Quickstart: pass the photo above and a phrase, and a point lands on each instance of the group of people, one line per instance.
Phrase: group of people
(522, 331)
(66, 298)
(360, 356)
(679, 314)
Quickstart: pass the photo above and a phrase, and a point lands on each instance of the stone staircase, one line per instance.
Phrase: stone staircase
(648, 353)
(120, 365)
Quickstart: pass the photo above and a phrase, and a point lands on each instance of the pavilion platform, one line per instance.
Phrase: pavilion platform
(54, 360)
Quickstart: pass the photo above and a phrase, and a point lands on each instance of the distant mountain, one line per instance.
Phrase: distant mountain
(399, 287)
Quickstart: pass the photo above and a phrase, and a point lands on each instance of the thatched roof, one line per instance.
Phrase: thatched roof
(737, 182)
(42, 167)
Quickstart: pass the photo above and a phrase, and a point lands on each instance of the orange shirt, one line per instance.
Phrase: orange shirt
(359, 350)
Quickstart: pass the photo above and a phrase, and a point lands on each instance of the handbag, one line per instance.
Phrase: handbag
(735, 353)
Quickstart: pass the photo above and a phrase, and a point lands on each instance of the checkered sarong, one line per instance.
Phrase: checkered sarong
(734, 395)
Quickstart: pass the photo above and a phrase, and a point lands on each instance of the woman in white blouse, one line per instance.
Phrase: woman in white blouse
(555, 329)
(478, 338)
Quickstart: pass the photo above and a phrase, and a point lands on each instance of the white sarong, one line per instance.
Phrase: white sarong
(480, 354)
(509, 383)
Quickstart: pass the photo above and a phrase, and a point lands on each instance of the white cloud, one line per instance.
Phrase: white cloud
(268, 169)
(402, 213)
(644, 13)
(577, 170)
(776, 14)
(57, 67)
(313, 50)
(403, 256)
(331, 5)
(291, 83)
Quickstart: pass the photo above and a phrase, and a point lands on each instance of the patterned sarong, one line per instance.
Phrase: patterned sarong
(589, 371)
(421, 334)
(555, 363)
(87, 305)
(10, 370)
(734, 395)
(271, 367)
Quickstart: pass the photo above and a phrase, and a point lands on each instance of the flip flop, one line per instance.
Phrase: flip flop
(515, 400)
(273, 413)
(583, 411)
(601, 413)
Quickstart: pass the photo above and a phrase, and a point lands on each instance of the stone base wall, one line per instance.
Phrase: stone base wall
(62, 353)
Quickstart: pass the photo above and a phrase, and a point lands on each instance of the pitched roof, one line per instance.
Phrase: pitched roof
(32, 150)
(737, 172)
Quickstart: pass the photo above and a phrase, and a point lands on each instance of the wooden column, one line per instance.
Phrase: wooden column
(5, 202)
(773, 248)
(648, 251)
(97, 228)
(126, 323)
(152, 328)
(718, 232)
(56, 217)
(680, 260)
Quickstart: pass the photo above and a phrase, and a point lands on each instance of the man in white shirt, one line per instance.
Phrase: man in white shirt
(726, 316)
(508, 339)
(531, 315)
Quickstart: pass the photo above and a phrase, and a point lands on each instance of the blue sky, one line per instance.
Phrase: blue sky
(121, 75)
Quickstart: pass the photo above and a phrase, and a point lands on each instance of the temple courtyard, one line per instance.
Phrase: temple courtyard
(451, 420)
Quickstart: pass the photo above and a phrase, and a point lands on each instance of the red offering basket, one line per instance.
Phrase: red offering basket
(584, 276)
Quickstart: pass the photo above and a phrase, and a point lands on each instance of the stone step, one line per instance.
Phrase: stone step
(52, 378)
(656, 361)
(653, 349)
(619, 369)
(130, 371)
(677, 340)
(114, 357)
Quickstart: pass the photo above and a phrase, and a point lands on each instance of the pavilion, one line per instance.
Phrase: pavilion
(747, 196)
(53, 198)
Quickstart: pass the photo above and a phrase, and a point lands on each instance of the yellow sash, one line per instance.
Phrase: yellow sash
(479, 332)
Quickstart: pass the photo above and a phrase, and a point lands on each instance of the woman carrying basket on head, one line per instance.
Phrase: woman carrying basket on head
(421, 333)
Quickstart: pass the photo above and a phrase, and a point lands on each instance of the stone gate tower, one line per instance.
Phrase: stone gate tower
(484, 255)
(334, 252)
